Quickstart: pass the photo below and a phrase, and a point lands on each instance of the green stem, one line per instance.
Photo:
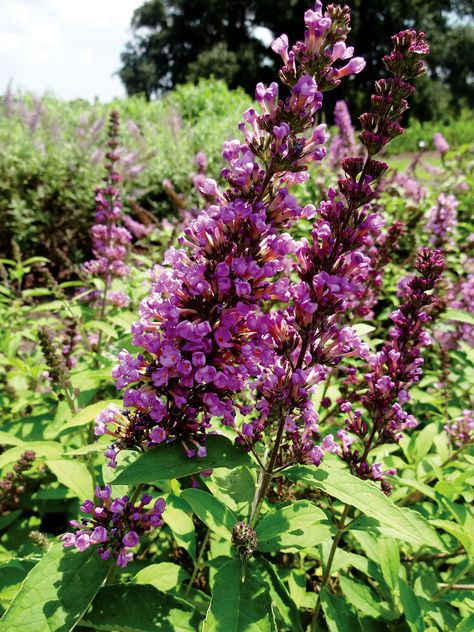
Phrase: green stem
(327, 568)
(267, 473)
(198, 563)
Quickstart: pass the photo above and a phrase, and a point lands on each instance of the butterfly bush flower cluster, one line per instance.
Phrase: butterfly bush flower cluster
(203, 331)
(110, 239)
(343, 144)
(441, 221)
(306, 336)
(461, 431)
(440, 143)
(390, 373)
(114, 524)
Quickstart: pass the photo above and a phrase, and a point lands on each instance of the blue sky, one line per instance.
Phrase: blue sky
(68, 47)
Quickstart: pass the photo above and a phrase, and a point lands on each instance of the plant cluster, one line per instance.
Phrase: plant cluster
(292, 447)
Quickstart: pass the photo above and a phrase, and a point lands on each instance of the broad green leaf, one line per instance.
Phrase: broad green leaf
(338, 613)
(411, 607)
(239, 606)
(89, 413)
(42, 449)
(389, 560)
(467, 625)
(466, 538)
(235, 487)
(74, 475)
(405, 524)
(294, 525)
(6, 438)
(285, 606)
(166, 462)
(135, 608)
(365, 600)
(458, 315)
(215, 515)
(180, 523)
(50, 306)
(106, 328)
(164, 576)
(56, 592)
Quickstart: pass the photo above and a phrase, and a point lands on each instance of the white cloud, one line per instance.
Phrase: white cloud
(70, 48)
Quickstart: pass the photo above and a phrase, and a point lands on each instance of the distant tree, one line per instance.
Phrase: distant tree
(179, 40)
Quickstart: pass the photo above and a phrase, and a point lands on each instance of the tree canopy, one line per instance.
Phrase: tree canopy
(180, 40)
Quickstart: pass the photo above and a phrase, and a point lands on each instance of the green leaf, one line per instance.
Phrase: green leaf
(56, 592)
(339, 615)
(132, 608)
(180, 523)
(294, 525)
(6, 438)
(365, 600)
(106, 328)
(74, 475)
(411, 607)
(168, 461)
(467, 625)
(458, 315)
(215, 515)
(89, 413)
(164, 576)
(405, 524)
(239, 606)
(48, 449)
(285, 606)
(389, 559)
(235, 488)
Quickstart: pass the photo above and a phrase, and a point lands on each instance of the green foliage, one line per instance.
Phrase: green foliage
(56, 593)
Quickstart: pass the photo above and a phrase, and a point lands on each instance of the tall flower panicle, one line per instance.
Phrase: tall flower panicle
(56, 359)
(343, 144)
(390, 374)
(13, 483)
(203, 331)
(110, 240)
(114, 525)
(461, 431)
(442, 221)
(440, 143)
(306, 338)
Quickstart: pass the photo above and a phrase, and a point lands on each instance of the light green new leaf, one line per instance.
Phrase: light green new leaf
(215, 515)
(6, 438)
(411, 607)
(132, 608)
(164, 576)
(166, 462)
(295, 525)
(74, 475)
(239, 606)
(106, 328)
(89, 413)
(405, 524)
(47, 449)
(458, 315)
(56, 592)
